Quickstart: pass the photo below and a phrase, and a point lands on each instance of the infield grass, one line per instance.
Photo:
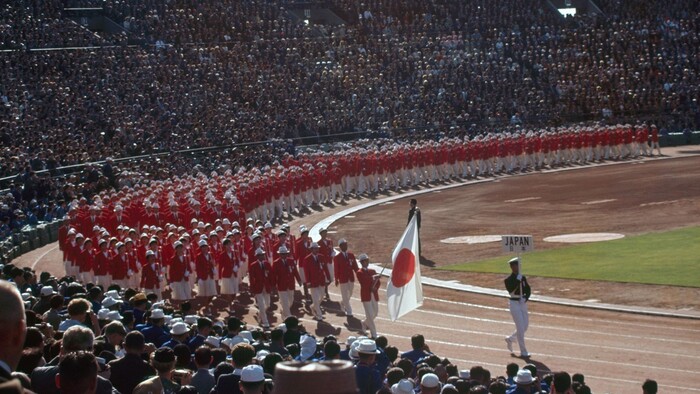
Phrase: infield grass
(669, 258)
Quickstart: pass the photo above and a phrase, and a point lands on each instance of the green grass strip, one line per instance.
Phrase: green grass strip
(668, 258)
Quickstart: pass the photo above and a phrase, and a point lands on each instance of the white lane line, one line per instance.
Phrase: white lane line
(523, 199)
(535, 339)
(651, 204)
(558, 316)
(556, 356)
(509, 322)
(595, 202)
(43, 255)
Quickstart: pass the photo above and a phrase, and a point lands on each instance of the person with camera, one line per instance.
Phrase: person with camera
(168, 379)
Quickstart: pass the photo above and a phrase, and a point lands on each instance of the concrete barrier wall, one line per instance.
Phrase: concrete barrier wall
(28, 239)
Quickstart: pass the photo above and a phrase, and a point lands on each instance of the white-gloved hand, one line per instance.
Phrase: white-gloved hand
(520, 277)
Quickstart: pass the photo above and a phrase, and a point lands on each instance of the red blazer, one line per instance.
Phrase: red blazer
(204, 266)
(261, 277)
(119, 267)
(367, 290)
(326, 248)
(301, 250)
(345, 267)
(149, 276)
(316, 270)
(285, 272)
(227, 263)
(178, 268)
(86, 260)
(103, 263)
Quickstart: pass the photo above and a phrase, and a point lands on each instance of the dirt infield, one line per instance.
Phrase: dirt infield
(631, 199)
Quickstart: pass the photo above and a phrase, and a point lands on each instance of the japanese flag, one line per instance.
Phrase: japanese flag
(404, 291)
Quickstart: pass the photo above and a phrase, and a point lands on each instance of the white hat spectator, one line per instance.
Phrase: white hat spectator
(102, 314)
(191, 319)
(252, 374)
(261, 354)
(404, 386)
(114, 316)
(157, 314)
(351, 339)
(464, 374)
(108, 302)
(524, 376)
(213, 341)
(430, 380)
(114, 294)
(367, 346)
(179, 328)
(247, 335)
(47, 291)
(307, 344)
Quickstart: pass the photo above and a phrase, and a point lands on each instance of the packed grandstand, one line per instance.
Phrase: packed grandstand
(219, 120)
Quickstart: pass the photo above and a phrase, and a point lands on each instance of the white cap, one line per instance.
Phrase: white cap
(363, 256)
(47, 291)
(430, 380)
(157, 314)
(252, 373)
(404, 386)
(102, 314)
(259, 251)
(109, 301)
(212, 341)
(179, 328)
(114, 315)
(202, 242)
(282, 250)
(314, 245)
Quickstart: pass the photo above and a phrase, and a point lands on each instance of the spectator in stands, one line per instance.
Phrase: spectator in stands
(649, 387)
(419, 349)
(203, 379)
(242, 355)
(12, 335)
(127, 372)
(561, 383)
(163, 361)
(77, 373)
(78, 311)
(75, 339)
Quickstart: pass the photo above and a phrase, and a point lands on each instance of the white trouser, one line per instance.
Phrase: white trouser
(261, 301)
(346, 292)
(316, 297)
(286, 298)
(371, 309)
(518, 309)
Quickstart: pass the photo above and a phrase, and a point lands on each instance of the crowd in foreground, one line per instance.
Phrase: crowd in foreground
(147, 347)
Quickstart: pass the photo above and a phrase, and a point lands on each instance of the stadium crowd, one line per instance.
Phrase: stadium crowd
(426, 70)
(67, 336)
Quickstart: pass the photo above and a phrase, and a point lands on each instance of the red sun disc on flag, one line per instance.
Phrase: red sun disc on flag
(404, 268)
